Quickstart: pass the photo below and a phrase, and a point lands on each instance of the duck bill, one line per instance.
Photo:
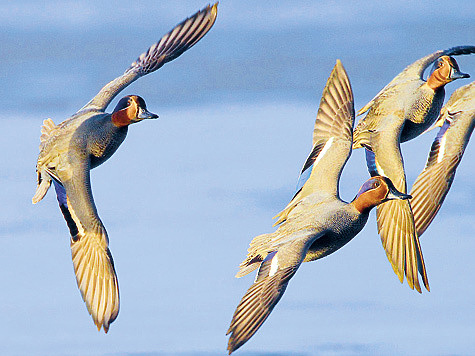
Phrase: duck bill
(396, 194)
(145, 114)
(457, 74)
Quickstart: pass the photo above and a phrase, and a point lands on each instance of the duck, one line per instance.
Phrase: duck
(456, 122)
(401, 111)
(69, 150)
(316, 222)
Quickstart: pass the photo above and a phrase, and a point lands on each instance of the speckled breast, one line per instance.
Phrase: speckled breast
(103, 138)
(422, 114)
(344, 226)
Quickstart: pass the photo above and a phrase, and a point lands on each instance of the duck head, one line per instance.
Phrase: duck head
(374, 191)
(444, 70)
(129, 110)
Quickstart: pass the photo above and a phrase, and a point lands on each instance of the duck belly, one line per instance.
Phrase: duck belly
(344, 227)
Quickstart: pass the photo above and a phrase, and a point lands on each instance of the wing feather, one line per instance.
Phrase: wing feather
(332, 140)
(260, 299)
(456, 122)
(182, 37)
(395, 219)
(432, 185)
(92, 260)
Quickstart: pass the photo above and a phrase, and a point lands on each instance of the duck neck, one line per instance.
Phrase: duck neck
(121, 118)
(363, 203)
(436, 81)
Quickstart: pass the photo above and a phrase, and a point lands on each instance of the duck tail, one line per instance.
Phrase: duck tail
(255, 254)
(46, 129)
(361, 138)
(247, 267)
(44, 182)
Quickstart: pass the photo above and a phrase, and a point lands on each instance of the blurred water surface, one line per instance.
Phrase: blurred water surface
(184, 195)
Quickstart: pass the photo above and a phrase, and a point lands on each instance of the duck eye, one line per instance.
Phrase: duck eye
(376, 184)
(123, 103)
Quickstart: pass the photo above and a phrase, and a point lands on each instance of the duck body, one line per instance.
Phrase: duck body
(316, 222)
(340, 226)
(328, 224)
(69, 150)
(424, 107)
(104, 141)
(87, 136)
(412, 107)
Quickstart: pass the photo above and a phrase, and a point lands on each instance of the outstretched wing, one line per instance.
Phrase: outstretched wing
(457, 120)
(93, 264)
(395, 219)
(416, 70)
(433, 184)
(184, 36)
(332, 140)
(462, 99)
(260, 299)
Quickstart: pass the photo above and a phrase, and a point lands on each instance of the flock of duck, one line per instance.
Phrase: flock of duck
(316, 222)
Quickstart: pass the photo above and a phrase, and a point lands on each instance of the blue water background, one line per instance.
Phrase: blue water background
(184, 195)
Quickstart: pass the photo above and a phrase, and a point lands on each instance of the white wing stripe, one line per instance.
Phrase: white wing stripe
(274, 266)
(440, 156)
(324, 150)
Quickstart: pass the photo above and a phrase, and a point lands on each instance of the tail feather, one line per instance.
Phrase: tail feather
(361, 138)
(44, 182)
(246, 268)
(46, 129)
(256, 253)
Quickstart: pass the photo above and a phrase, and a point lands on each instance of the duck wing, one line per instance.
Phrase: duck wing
(182, 37)
(93, 263)
(332, 140)
(395, 219)
(415, 71)
(462, 99)
(434, 182)
(275, 271)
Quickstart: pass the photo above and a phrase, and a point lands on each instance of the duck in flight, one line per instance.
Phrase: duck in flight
(69, 150)
(316, 222)
(401, 111)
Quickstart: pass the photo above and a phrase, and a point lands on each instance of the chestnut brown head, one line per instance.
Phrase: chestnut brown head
(374, 191)
(131, 109)
(444, 70)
